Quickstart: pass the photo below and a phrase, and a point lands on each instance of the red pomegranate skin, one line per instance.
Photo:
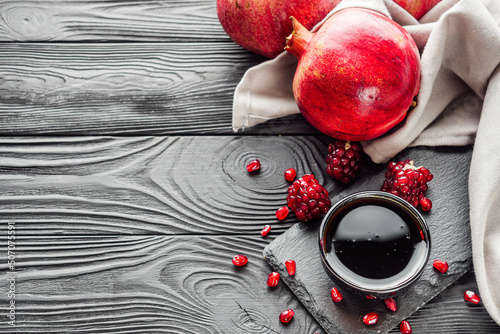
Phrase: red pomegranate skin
(356, 76)
(262, 26)
(417, 8)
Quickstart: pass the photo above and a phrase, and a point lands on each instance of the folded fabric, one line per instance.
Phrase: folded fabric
(459, 41)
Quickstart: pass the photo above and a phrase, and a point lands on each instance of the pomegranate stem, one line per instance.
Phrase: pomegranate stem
(297, 42)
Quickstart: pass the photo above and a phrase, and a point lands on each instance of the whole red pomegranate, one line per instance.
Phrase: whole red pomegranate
(417, 8)
(262, 26)
(356, 76)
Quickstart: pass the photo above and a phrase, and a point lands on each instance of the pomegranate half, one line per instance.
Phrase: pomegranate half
(356, 76)
(262, 26)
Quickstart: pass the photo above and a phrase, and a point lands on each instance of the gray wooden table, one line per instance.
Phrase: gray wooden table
(126, 187)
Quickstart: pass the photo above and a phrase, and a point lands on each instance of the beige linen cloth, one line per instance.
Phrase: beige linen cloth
(458, 104)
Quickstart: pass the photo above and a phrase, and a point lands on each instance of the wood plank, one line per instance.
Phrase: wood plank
(148, 284)
(110, 20)
(176, 284)
(151, 185)
(125, 88)
(158, 185)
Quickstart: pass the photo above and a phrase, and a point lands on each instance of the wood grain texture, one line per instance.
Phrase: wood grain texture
(148, 284)
(119, 88)
(145, 185)
(109, 20)
(176, 284)
(138, 88)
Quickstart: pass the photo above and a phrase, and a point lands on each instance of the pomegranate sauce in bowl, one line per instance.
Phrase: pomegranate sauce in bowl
(374, 243)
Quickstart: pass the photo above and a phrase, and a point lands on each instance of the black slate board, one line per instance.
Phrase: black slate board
(450, 239)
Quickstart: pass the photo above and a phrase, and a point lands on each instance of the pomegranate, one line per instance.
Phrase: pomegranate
(417, 8)
(262, 26)
(356, 76)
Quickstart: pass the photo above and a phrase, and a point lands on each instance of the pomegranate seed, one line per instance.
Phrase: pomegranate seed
(370, 318)
(290, 267)
(405, 327)
(265, 230)
(290, 174)
(371, 297)
(391, 304)
(240, 260)
(336, 295)
(282, 212)
(286, 316)
(253, 166)
(273, 279)
(440, 265)
(472, 297)
(426, 204)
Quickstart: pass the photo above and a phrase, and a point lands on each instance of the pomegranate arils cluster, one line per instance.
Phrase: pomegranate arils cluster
(405, 180)
(343, 160)
(307, 198)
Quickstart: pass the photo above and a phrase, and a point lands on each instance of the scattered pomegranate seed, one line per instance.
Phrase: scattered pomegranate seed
(440, 265)
(405, 327)
(253, 166)
(344, 160)
(472, 297)
(405, 180)
(286, 316)
(426, 204)
(371, 297)
(265, 230)
(307, 198)
(290, 174)
(273, 279)
(391, 304)
(370, 318)
(282, 212)
(290, 267)
(240, 260)
(336, 295)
